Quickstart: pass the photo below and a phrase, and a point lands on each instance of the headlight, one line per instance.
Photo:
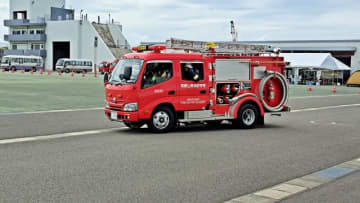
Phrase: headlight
(131, 107)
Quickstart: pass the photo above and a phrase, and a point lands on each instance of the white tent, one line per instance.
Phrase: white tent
(314, 60)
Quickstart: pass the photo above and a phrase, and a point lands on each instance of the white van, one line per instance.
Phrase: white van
(76, 65)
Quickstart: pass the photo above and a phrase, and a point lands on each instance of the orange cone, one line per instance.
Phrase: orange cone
(12, 70)
(3, 70)
(59, 73)
(41, 71)
(334, 89)
(22, 71)
(95, 74)
(310, 87)
(83, 74)
(49, 72)
(32, 72)
(72, 74)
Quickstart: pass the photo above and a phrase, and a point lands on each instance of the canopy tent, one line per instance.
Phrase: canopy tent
(354, 79)
(314, 60)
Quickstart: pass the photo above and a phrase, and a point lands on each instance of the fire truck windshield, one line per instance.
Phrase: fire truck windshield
(129, 67)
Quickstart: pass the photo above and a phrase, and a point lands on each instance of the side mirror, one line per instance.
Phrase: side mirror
(127, 73)
(106, 78)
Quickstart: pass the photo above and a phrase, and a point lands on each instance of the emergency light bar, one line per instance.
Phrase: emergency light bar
(218, 46)
(155, 48)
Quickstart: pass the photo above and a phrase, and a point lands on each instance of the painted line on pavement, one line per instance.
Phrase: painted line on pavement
(56, 136)
(296, 186)
(101, 108)
(324, 108)
(325, 96)
(52, 111)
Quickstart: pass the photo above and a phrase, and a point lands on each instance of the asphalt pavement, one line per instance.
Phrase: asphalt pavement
(192, 164)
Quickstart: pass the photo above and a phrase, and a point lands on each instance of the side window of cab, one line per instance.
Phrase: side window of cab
(156, 73)
(191, 71)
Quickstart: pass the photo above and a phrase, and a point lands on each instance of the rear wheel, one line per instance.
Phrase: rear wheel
(248, 117)
(33, 69)
(67, 70)
(162, 120)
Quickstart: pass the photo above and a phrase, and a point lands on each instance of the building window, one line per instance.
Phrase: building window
(32, 32)
(14, 47)
(38, 32)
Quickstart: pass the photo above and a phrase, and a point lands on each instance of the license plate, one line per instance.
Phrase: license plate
(114, 115)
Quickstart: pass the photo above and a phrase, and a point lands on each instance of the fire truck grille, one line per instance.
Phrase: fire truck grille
(115, 109)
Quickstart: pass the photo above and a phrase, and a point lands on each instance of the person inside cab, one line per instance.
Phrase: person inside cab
(191, 73)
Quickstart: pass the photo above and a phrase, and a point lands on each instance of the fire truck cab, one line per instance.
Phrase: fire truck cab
(164, 89)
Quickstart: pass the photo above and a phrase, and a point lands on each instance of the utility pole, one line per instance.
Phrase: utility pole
(233, 32)
(95, 53)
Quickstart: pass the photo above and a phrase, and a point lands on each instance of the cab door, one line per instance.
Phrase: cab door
(193, 86)
(158, 86)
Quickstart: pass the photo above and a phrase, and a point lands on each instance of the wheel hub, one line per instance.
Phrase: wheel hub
(248, 117)
(161, 120)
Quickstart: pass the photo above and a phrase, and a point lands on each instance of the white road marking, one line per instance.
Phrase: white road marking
(325, 96)
(52, 111)
(324, 108)
(293, 187)
(56, 136)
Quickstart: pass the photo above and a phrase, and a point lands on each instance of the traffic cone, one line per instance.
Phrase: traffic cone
(72, 74)
(95, 74)
(59, 73)
(41, 71)
(12, 70)
(3, 70)
(49, 72)
(83, 74)
(22, 71)
(310, 87)
(334, 89)
(32, 72)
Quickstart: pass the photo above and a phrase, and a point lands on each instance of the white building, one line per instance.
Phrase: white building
(46, 28)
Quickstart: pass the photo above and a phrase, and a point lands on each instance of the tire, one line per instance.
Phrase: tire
(102, 73)
(162, 120)
(33, 69)
(133, 125)
(67, 70)
(248, 117)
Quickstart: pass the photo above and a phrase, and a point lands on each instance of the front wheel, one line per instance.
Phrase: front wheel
(162, 120)
(248, 117)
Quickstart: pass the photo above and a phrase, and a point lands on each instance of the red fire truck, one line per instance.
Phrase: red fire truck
(104, 67)
(207, 83)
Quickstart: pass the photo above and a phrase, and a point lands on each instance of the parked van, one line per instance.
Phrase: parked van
(76, 65)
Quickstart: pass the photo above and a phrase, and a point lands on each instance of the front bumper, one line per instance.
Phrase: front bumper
(121, 115)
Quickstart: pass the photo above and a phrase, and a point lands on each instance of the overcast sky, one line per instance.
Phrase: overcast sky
(208, 20)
